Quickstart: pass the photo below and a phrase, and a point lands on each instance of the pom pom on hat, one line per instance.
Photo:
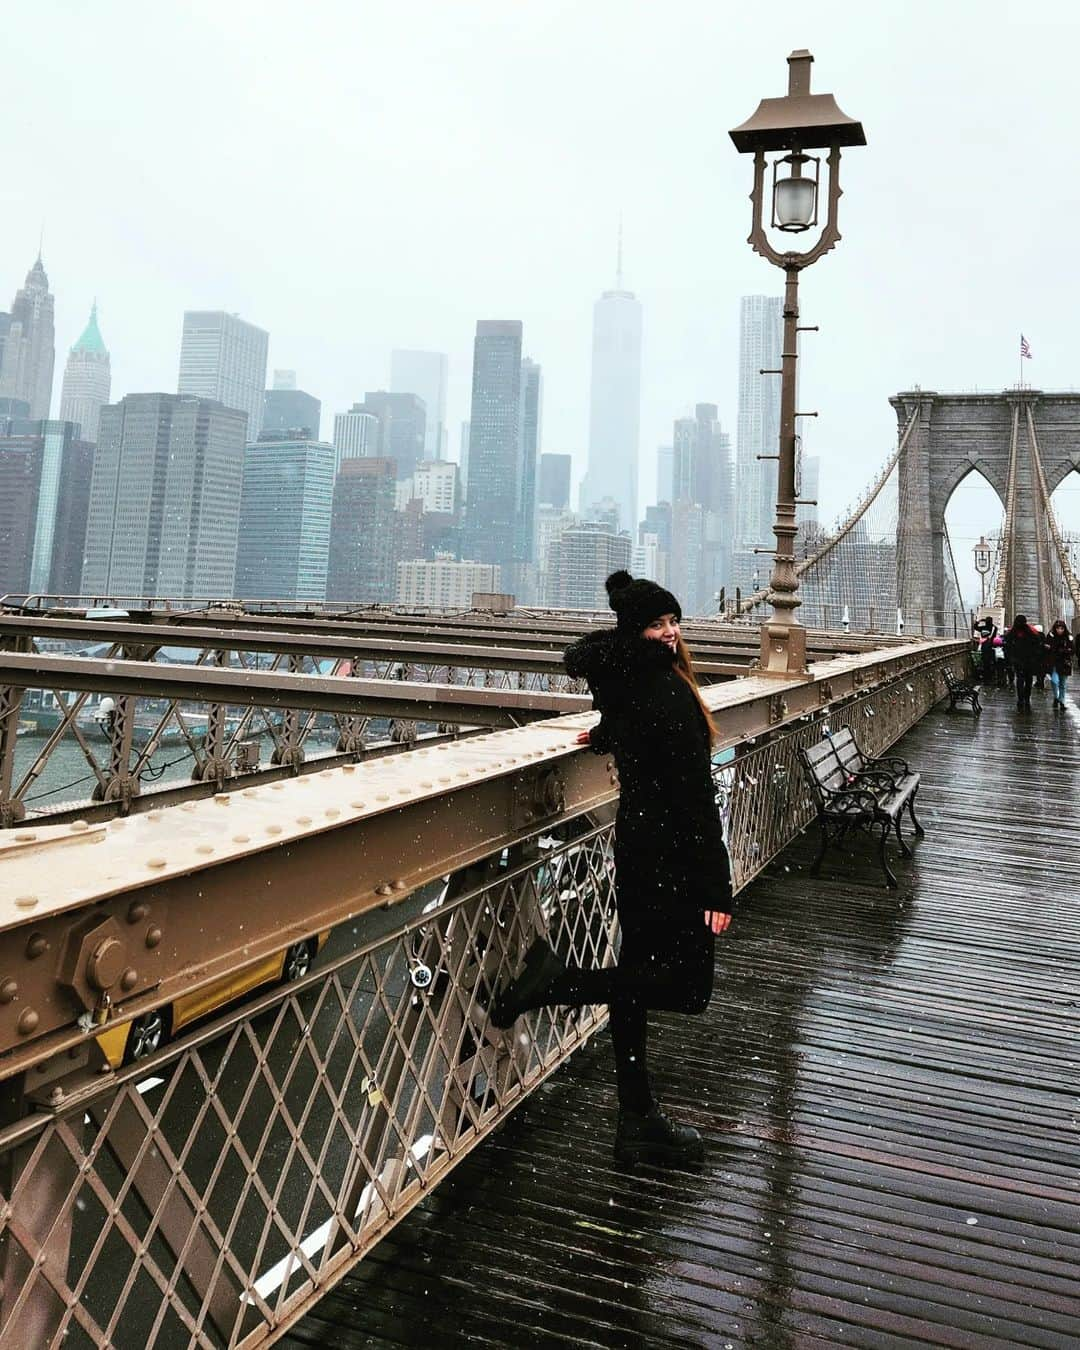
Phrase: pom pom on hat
(638, 602)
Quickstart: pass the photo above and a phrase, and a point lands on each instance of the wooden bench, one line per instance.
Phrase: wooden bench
(961, 691)
(853, 792)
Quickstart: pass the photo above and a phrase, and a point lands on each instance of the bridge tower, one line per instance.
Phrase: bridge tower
(1024, 442)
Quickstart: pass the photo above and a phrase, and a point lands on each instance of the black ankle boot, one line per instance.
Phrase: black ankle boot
(540, 968)
(653, 1137)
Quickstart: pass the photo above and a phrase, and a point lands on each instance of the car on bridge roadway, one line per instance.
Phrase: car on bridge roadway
(143, 1035)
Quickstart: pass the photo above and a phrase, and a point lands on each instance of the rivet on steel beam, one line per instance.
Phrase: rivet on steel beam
(348, 768)
(273, 829)
(277, 787)
(399, 885)
(8, 990)
(153, 936)
(25, 838)
(222, 798)
(445, 778)
(26, 901)
(188, 806)
(155, 862)
(79, 826)
(137, 911)
(358, 806)
(37, 945)
(332, 811)
(153, 815)
(426, 784)
(129, 979)
(404, 791)
(382, 796)
(303, 820)
(241, 838)
(204, 848)
(383, 889)
(28, 1022)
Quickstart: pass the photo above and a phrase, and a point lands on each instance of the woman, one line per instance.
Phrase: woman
(1060, 654)
(1024, 650)
(672, 875)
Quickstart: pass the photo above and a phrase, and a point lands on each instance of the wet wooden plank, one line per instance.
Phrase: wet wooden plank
(889, 1086)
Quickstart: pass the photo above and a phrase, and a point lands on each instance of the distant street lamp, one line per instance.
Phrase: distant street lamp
(802, 121)
(982, 562)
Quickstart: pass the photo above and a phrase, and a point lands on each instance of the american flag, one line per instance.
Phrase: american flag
(1025, 349)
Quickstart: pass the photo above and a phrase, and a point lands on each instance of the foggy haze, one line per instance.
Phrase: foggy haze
(358, 177)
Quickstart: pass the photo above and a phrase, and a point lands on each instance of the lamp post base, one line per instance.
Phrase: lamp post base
(783, 651)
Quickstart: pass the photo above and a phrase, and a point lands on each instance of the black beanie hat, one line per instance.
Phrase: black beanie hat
(638, 603)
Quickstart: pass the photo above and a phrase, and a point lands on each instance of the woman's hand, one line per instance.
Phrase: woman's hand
(717, 921)
(582, 738)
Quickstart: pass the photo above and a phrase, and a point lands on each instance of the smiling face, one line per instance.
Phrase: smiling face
(665, 629)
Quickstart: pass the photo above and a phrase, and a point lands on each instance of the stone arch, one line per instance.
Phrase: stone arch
(952, 434)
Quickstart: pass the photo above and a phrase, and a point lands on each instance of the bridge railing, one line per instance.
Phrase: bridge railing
(209, 1195)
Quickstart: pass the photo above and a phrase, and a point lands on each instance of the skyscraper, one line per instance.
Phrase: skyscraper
(554, 481)
(87, 380)
(20, 478)
(28, 344)
(424, 374)
(401, 422)
(356, 434)
(665, 469)
(361, 569)
(758, 429)
(165, 498)
(224, 358)
(493, 499)
(44, 486)
(615, 403)
(284, 541)
(584, 555)
(531, 408)
(291, 410)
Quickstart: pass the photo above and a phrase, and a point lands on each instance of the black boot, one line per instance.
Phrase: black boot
(653, 1137)
(540, 968)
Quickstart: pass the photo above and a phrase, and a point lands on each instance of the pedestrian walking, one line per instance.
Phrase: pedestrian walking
(987, 631)
(672, 874)
(1060, 649)
(1025, 651)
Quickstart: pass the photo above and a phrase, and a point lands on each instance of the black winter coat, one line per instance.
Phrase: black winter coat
(670, 857)
(1025, 650)
(1060, 652)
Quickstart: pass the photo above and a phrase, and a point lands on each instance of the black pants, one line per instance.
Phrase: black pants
(662, 965)
(1023, 687)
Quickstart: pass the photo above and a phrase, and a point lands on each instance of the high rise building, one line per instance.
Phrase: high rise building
(424, 374)
(44, 488)
(554, 481)
(284, 543)
(702, 476)
(493, 495)
(615, 403)
(551, 521)
(758, 431)
(434, 484)
(531, 406)
(291, 410)
(583, 558)
(165, 498)
(809, 489)
(463, 459)
(401, 427)
(224, 358)
(362, 533)
(356, 434)
(28, 345)
(20, 479)
(87, 380)
(443, 582)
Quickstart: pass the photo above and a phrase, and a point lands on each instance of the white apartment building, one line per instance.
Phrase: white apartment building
(356, 436)
(444, 583)
(435, 483)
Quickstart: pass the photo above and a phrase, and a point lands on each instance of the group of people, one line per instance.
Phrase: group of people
(1025, 656)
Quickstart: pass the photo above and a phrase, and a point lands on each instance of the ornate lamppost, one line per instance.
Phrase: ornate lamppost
(982, 562)
(788, 127)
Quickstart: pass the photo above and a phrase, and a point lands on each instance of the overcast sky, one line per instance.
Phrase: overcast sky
(354, 175)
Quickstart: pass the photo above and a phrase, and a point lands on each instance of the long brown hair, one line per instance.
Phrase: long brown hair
(684, 668)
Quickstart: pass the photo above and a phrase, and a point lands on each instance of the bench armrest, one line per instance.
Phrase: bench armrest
(851, 801)
(891, 764)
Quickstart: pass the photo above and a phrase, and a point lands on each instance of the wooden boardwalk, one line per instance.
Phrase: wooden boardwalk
(889, 1087)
